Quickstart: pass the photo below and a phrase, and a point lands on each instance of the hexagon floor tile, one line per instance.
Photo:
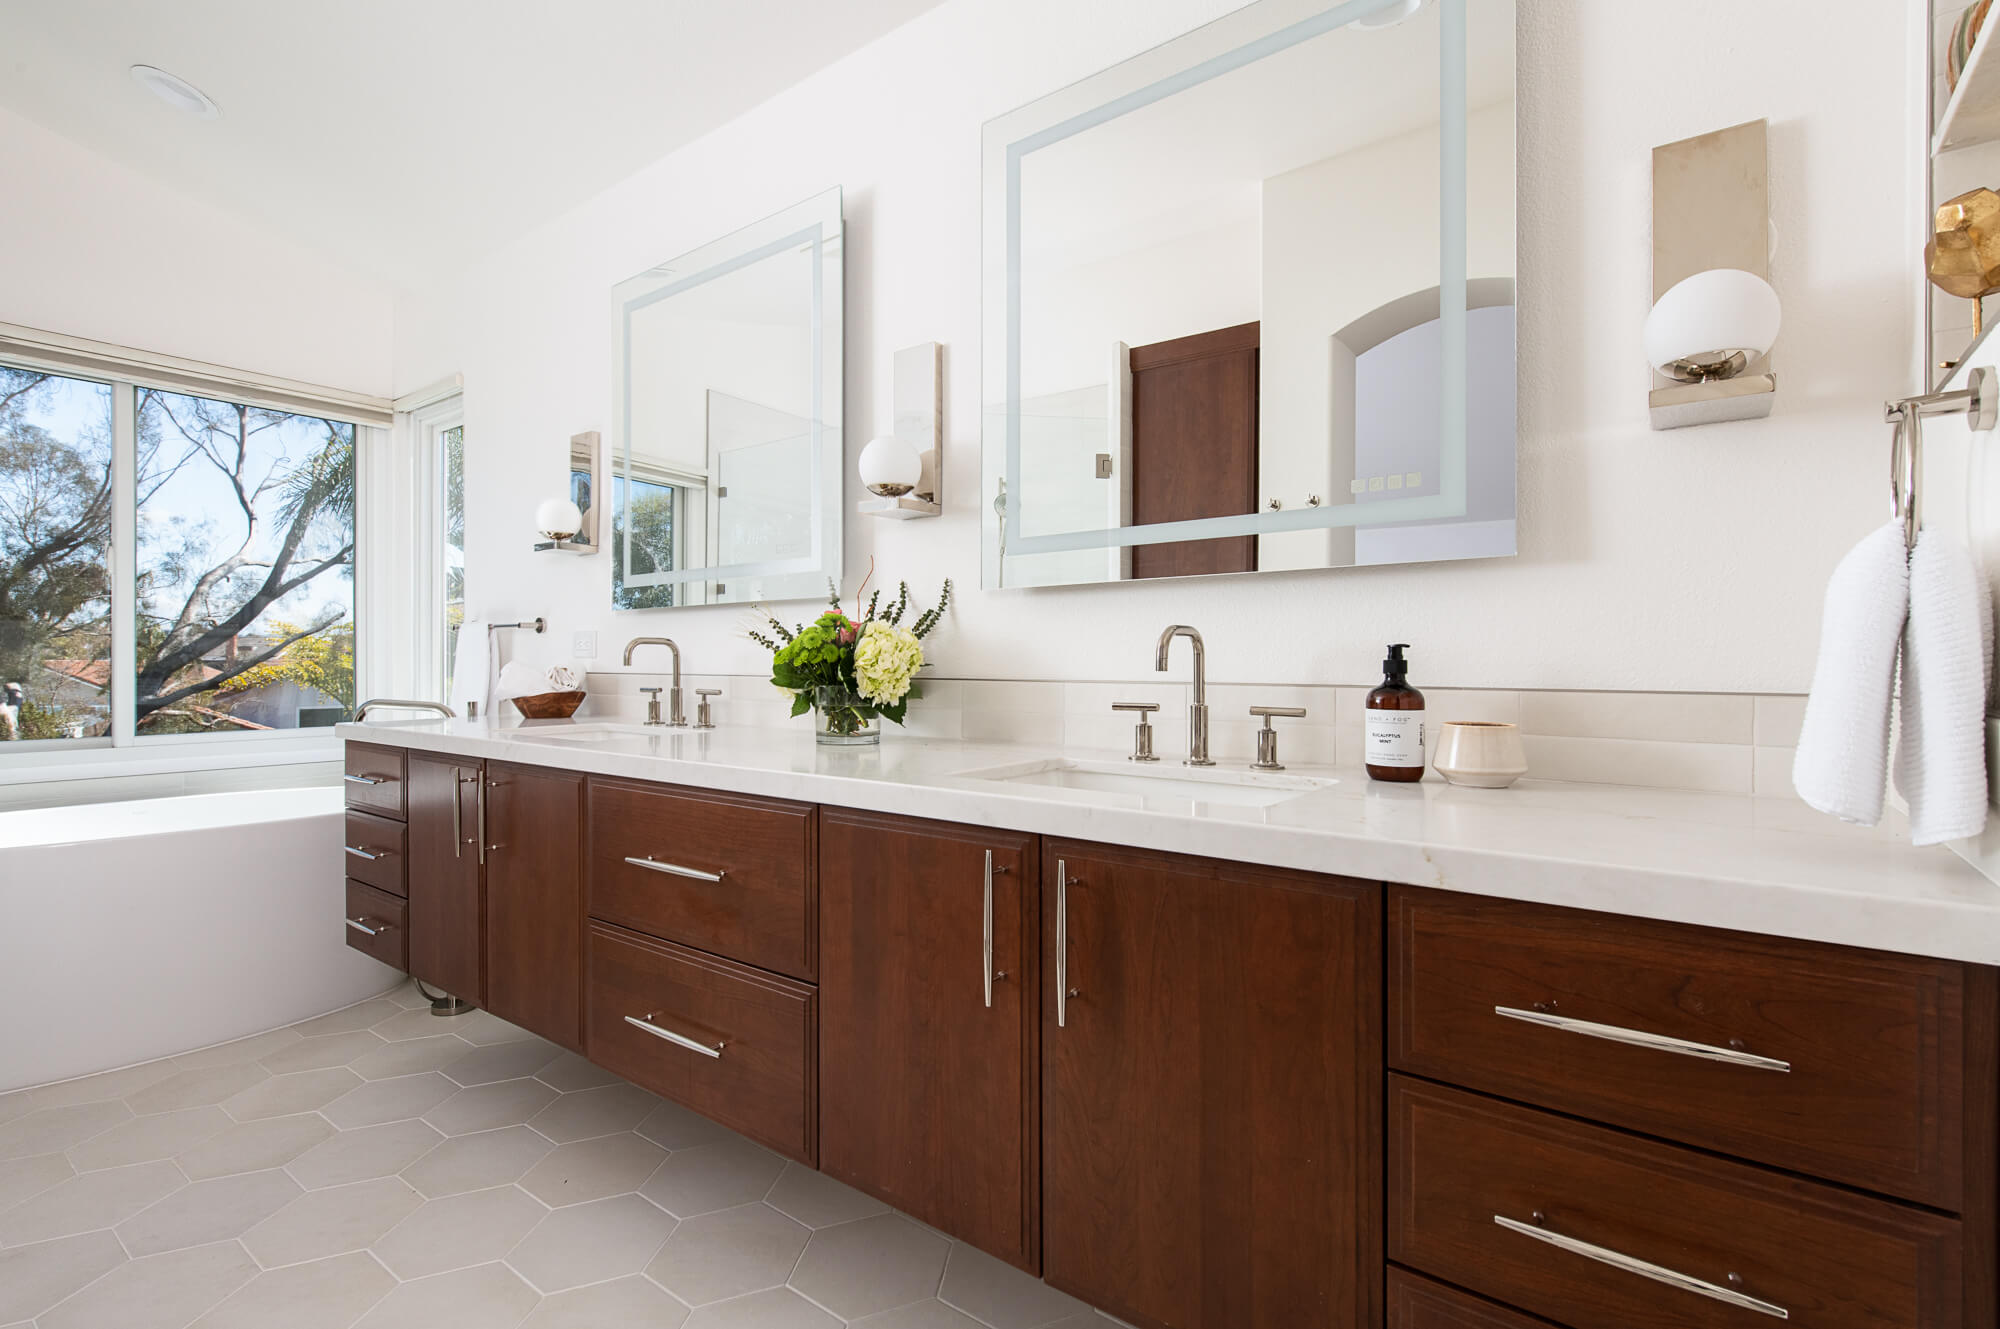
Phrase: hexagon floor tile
(376, 1168)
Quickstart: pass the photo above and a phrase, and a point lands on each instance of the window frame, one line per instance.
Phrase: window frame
(124, 751)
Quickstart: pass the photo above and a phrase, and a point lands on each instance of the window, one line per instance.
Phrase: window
(172, 565)
(55, 556)
(648, 522)
(451, 462)
(245, 568)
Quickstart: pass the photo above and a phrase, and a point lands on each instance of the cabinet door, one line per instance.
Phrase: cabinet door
(927, 1069)
(534, 900)
(1211, 1091)
(445, 905)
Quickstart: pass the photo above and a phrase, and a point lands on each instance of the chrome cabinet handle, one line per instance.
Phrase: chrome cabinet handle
(1631, 1264)
(674, 869)
(457, 814)
(1638, 1038)
(361, 925)
(678, 1040)
(363, 779)
(479, 787)
(987, 940)
(359, 852)
(1062, 944)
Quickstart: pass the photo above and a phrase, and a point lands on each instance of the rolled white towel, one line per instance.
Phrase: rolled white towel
(1842, 763)
(520, 679)
(1947, 663)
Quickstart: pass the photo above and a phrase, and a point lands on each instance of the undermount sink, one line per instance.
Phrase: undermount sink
(1161, 788)
(584, 733)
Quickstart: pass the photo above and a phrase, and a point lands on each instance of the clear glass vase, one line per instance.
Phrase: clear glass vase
(844, 717)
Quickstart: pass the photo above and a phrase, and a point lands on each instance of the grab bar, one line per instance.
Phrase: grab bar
(400, 703)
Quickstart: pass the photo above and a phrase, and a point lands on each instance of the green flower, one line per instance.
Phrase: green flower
(885, 661)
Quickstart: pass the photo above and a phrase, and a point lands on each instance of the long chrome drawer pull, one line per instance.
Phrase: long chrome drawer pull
(987, 941)
(1062, 944)
(674, 869)
(359, 852)
(361, 925)
(1637, 1038)
(1633, 1265)
(362, 779)
(678, 1040)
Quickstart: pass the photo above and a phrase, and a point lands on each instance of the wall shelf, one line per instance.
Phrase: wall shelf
(1972, 116)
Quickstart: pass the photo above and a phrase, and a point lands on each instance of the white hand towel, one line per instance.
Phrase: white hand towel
(472, 668)
(1842, 763)
(1947, 663)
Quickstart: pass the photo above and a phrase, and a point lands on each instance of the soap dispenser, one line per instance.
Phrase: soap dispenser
(1393, 743)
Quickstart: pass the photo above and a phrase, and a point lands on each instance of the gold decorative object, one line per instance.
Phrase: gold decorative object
(1963, 253)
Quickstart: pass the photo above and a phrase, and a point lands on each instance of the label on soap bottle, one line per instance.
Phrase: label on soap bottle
(1395, 738)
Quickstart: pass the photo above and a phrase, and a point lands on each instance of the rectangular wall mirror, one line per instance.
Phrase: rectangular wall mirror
(726, 469)
(1249, 301)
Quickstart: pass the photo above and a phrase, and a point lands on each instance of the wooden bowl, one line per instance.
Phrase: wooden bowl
(548, 705)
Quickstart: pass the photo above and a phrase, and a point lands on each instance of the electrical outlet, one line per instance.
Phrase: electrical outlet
(583, 645)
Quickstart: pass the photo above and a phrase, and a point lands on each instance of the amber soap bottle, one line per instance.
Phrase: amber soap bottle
(1393, 745)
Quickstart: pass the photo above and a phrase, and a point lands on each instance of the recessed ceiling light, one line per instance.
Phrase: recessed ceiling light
(175, 91)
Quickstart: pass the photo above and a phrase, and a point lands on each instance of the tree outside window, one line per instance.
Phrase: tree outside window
(244, 600)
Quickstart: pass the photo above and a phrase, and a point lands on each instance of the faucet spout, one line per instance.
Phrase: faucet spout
(677, 712)
(1198, 703)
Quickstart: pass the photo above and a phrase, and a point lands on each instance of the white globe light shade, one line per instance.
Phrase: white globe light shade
(1704, 320)
(558, 519)
(890, 467)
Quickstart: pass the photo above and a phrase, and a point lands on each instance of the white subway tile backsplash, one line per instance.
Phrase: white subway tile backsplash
(1038, 698)
(1005, 726)
(1097, 698)
(1682, 717)
(1717, 768)
(1772, 771)
(1778, 720)
(1494, 705)
(1700, 741)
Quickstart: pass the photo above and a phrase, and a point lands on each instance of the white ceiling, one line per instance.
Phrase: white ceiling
(404, 137)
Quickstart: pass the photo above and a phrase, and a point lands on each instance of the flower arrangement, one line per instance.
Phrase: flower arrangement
(852, 670)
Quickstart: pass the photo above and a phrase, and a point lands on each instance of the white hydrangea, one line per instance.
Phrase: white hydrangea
(885, 660)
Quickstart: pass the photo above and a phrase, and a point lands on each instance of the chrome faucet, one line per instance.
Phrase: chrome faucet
(676, 713)
(1198, 708)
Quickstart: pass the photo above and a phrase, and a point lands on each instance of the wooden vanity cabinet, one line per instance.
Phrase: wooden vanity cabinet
(1211, 1090)
(929, 1085)
(534, 899)
(446, 902)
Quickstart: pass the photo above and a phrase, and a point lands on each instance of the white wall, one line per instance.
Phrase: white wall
(1685, 560)
(97, 250)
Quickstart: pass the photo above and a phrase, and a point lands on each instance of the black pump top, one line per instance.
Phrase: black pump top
(1395, 669)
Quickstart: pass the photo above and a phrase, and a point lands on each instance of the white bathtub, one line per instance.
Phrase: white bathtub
(130, 931)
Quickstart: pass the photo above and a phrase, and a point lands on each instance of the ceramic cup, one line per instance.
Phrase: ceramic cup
(1482, 753)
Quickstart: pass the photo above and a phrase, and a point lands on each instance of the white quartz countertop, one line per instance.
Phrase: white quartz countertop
(1766, 865)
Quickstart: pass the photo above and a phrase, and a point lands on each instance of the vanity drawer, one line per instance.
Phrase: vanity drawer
(725, 874)
(1859, 1066)
(1420, 1303)
(1462, 1168)
(752, 1065)
(375, 851)
(377, 924)
(374, 779)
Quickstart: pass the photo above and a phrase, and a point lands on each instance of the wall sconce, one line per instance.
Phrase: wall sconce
(558, 520)
(1714, 314)
(565, 524)
(905, 471)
